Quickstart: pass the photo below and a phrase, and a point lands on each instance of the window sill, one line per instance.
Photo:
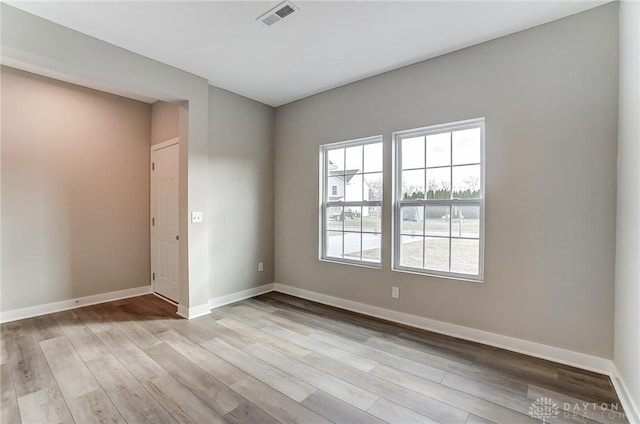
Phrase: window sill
(352, 263)
(432, 274)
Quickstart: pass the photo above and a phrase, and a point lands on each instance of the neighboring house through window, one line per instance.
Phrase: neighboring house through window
(351, 207)
(439, 200)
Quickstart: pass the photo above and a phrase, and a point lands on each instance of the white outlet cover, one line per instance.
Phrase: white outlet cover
(197, 216)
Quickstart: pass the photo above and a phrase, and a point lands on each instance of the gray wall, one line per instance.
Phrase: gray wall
(549, 96)
(75, 191)
(165, 121)
(241, 201)
(627, 288)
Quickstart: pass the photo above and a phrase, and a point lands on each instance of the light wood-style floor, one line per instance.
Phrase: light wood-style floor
(274, 358)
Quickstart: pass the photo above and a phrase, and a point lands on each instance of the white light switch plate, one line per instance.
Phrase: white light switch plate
(196, 216)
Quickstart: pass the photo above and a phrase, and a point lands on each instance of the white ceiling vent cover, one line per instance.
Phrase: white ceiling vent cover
(278, 13)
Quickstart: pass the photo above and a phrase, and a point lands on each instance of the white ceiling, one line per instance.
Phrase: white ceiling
(323, 45)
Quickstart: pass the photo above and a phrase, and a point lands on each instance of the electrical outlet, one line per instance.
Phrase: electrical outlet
(196, 217)
(395, 292)
(260, 266)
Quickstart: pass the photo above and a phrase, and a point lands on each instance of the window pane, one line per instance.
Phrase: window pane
(437, 221)
(373, 187)
(352, 245)
(413, 153)
(413, 184)
(438, 183)
(466, 221)
(464, 256)
(439, 149)
(466, 182)
(436, 255)
(334, 219)
(371, 247)
(353, 188)
(372, 219)
(335, 188)
(352, 218)
(334, 244)
(411, 251)
(336, 160)
(412, 220)
(373, 157)
(354, 159)
(466, 146)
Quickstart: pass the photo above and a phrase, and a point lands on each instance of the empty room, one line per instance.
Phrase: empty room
(320, 212)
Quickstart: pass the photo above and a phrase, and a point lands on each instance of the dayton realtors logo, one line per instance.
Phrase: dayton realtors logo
(544, 409)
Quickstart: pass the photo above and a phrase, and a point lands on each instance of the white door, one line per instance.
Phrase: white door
(165, 251)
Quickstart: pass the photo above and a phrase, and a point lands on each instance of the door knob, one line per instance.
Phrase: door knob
(177, 237)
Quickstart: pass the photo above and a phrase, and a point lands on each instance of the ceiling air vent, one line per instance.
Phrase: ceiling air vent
(278, 13)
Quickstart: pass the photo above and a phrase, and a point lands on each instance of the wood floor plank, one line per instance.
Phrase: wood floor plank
(359, 362)
(500, 397)
(134, 359)
(216, 330)
(338, 411)
(265, 338)
(43, 327)
(271, 376)
(271, 401)
(82, 328)
(281, 407)
(246, 414)
(9, 411)
(180, 402)
(391, 345)
(328, 325)
(93, 407)
(4, 353)
(395, 414)
(469, 403)
(201, 357)
(132, 400)
(421, 370)
(29, 368)
(127, 324)
(44, 406)
(569, 376)
(86, 399)
(334, 386)
(434, 409)
(81, 337)
(474, 419)
(208, 388)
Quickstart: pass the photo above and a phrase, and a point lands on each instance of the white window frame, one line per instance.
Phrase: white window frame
(399, 202)
(326, 204)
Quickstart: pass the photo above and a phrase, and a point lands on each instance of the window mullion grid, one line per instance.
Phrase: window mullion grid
(424, 208)
(450, 192)
(362, 207)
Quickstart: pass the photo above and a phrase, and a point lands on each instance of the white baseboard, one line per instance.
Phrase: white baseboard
(194, 312)
(63, 305)
(198, 311)
(551, 353)
(238, 296)
(631, 408)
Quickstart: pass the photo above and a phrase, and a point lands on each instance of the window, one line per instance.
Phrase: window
(351, 209)
(439, 200)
